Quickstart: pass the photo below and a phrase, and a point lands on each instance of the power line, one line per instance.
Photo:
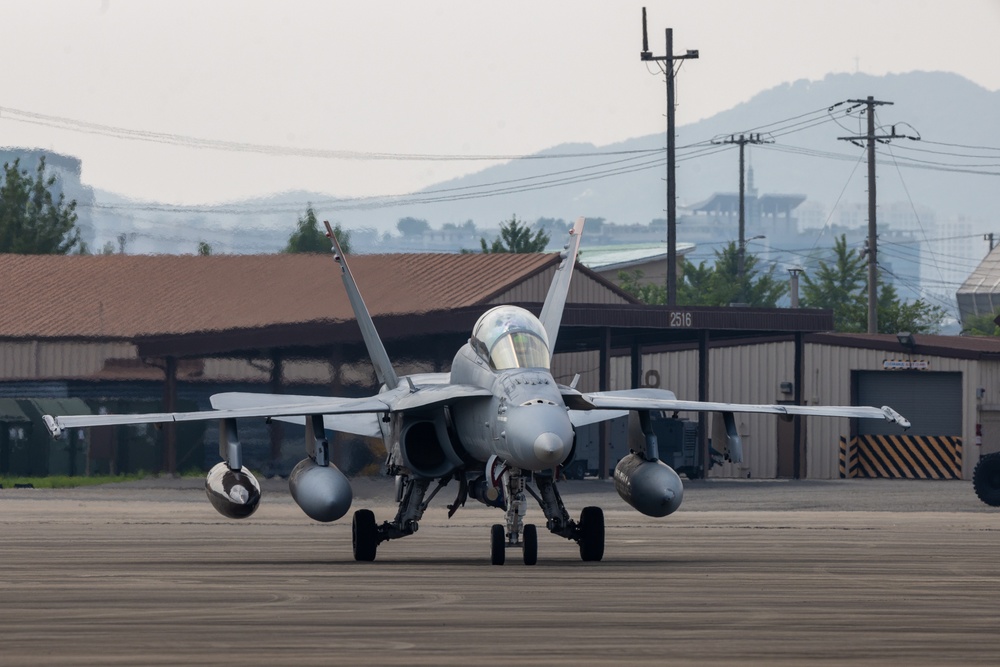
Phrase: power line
(60, 122)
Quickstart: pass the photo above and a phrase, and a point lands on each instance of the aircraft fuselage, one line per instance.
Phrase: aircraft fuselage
(525, 422)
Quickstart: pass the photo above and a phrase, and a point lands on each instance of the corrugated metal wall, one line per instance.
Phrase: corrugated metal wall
(582, 289)
(753, 373)
(38, 360)
(748, 374)
(828, 382)
(587, 364)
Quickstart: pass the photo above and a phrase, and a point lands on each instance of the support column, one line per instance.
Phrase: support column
(169, 456)
(706, 455)
(636, 357)
(276, 384)
(604, 385)
(799, 441)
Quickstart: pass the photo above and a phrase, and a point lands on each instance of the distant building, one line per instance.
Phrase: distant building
(980, 293)
(650, 259)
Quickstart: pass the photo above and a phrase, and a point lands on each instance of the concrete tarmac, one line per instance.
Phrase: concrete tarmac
(860, 572)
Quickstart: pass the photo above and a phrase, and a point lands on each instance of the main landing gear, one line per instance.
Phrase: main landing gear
(588, 532)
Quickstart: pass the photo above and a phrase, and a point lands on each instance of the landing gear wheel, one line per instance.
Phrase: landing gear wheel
(364, 535)
(986, 479)
(591, 534)
(530, 539)
(498, 544)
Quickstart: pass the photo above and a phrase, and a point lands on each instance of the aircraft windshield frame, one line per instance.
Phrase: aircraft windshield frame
(511, 337)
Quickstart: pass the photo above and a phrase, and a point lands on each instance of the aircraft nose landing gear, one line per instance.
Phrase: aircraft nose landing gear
(499, 544)
(516, 534)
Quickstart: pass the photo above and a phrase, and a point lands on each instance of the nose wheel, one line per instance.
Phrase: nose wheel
(530, 543)
(499, 544)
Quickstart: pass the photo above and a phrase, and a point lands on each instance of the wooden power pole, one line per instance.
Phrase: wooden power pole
(668, 61)
(872, 248)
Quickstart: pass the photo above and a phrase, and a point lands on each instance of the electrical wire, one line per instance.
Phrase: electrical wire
(60, 122)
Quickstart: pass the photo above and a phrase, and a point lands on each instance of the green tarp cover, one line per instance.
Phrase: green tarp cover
(10, 411)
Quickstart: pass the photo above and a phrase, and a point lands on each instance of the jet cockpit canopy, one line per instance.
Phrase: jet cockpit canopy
(511, 337)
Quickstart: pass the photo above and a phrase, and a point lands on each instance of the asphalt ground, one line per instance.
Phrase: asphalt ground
(860, 572)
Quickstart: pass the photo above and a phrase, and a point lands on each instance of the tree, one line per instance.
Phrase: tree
(724, 285)
(32, 221)
(412, 226)
(717, 285)
(631, 282)
(515, 237)
(842, 286)
(308, 237)
(204, 248)
(982, 325)
(895, 315)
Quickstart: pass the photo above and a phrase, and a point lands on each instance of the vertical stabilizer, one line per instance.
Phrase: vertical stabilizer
(555, 300)
(376, 350)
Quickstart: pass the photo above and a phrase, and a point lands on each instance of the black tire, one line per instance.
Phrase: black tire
(986, 479)
(530, 539)
(364, 535)
(498, 544)
(591, 534)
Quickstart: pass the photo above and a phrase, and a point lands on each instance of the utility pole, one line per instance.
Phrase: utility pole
(741, 142)
(872, 248)
(668, 61)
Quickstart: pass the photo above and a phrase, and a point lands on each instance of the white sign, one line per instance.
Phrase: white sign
(905, 365)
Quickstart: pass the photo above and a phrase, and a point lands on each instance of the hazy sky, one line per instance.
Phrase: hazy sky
(419, 77)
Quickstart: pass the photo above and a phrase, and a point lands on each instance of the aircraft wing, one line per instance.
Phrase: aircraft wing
(348, 415)
(358, 423)
(429, 396)
(288, 408)
(653, 399)
(585, 417)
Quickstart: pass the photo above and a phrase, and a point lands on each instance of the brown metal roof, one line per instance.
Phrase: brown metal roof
(959, 347)
(129, 296)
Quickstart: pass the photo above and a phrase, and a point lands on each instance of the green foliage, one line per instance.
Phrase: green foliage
(631, 282)
(204, 248)
(717, 285)
(308, 237)
(32, 222)
(412, 226)
(516, 237)
(842, 286)
(982, 325)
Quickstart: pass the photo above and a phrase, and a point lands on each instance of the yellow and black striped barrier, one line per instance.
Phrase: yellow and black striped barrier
(901, 456)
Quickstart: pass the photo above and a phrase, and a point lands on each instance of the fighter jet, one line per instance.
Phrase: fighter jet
(497, 423)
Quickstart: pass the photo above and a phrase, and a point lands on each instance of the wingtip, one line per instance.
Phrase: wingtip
(50, 423)
(893, 416)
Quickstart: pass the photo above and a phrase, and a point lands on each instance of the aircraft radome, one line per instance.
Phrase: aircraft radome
(498, 423)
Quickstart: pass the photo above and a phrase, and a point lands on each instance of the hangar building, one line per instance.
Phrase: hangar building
(128, 333)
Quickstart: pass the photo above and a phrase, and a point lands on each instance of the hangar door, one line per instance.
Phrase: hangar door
(930, 449)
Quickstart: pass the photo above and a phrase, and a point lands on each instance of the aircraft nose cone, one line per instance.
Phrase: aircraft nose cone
(550, 448)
